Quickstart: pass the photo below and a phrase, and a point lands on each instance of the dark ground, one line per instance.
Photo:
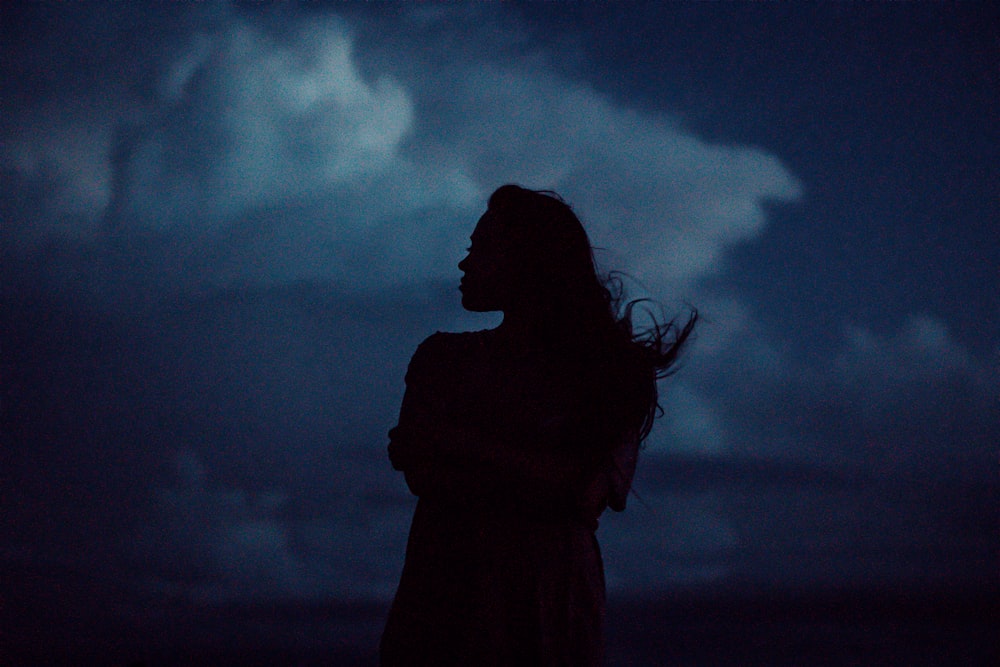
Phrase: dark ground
(82, 624)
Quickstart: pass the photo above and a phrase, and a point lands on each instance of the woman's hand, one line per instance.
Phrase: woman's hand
(595, 498)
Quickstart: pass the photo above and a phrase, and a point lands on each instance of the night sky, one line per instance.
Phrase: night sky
(226, 227)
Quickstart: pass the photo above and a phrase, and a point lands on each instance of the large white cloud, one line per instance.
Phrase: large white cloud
(249, 121)
(370, 169)
(663, 201)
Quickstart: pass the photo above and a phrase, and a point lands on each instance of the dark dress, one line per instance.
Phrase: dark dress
(502, 564)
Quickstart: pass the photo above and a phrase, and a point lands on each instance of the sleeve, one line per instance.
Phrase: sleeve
(417, 444)
(405, 443)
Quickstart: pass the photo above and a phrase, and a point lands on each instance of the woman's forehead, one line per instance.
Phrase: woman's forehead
(486, 229)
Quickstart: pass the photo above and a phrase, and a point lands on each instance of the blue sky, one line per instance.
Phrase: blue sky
(226, 227)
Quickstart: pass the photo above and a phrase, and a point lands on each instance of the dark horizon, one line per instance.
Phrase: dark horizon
(706, 626)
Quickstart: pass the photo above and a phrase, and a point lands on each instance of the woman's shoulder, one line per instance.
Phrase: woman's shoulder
(443, 349)
(449, 342)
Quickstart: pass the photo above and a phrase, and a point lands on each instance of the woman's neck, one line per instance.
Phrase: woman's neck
(528, 328)
(520, 323)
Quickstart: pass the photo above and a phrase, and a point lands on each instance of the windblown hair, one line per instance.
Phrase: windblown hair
(590, 320)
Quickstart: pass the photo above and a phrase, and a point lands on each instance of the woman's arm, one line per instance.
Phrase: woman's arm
(417, 442)
(430, 472)
(406, 442)
(553, 464)
(549, 468)
(444, 459)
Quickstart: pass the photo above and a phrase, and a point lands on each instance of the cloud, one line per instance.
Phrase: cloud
(854, 468)
(249, 121)
(692, 424)
(291, 146)
(921, 351)
(910, 401)
(211, 541)
(666, 203)
(213, 544)
(71, 150)
(661, 202)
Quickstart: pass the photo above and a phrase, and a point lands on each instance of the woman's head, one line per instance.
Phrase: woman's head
(529, 250)
(531, 255)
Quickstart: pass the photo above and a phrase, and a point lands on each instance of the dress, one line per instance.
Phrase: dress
(502, 562)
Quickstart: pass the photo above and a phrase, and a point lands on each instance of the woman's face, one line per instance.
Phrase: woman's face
(486, 280)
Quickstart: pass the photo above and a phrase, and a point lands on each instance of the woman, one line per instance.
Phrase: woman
(515, 440)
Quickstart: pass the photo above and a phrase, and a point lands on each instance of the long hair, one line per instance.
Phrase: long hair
(590, 317)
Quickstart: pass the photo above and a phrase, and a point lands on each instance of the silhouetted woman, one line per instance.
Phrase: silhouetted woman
(515, 439)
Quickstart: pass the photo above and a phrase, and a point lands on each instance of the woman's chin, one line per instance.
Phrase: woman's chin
(475, 308)
(474, 305)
